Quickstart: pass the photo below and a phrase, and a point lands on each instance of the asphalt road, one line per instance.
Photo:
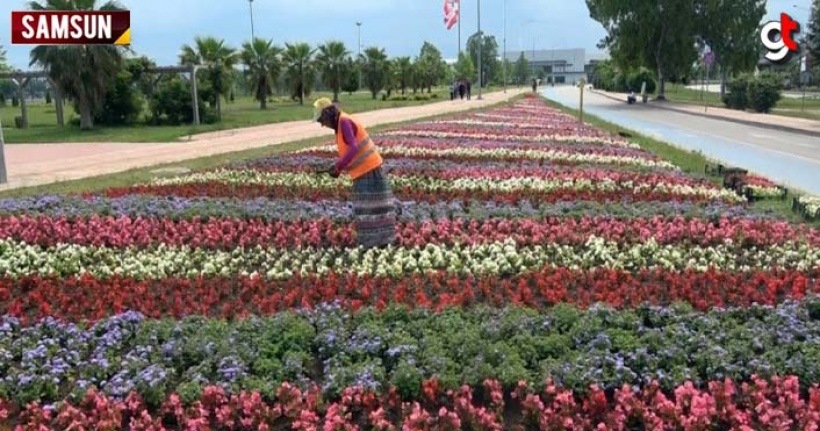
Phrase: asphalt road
(788, 158)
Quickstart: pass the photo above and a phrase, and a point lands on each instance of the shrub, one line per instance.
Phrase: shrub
(48, 98)
(171, 104)
(736, 97)
(15, 102)
(764, 92)
(637, 78)
(123, 104)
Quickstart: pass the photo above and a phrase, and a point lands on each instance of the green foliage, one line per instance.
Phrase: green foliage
(48, 98)
(430, 66)
(522, 70)
(764, 92)
(375, 70)
(490, 65)
(264, 63)
(217, 60)
(465, 69)
(123, 103)
(171, 104)
(301, 70)
(760, 93)
(15, 102)
(350, 81)
(636, 79)
(332, 61)
(813, 33)
(730, 29)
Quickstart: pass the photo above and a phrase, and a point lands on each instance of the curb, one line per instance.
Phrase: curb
(732, 120)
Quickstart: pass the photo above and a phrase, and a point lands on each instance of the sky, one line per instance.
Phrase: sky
(160, 27)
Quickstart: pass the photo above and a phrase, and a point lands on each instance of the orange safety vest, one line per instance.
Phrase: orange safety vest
(367, 157)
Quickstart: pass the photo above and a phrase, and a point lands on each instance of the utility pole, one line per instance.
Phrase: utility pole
(250, 6)
(504, 57)
(359, 26)
(480, 48)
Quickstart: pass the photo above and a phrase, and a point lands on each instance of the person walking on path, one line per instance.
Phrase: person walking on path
(462, 90)
(374, 207)
(469, 88)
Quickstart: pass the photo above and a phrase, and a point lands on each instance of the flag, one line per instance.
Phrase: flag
(451, 13)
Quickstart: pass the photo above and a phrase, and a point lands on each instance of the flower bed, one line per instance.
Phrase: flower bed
(517, 228)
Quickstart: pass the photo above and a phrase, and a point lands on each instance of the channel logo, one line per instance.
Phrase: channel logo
(71, 28)
(778, 38)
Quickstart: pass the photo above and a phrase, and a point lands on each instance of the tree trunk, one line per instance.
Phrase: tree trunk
(86, 120)
(219, 107)
(263, 101)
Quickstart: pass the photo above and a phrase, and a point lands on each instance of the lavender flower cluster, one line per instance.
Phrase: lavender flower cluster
(329, 346)
(271, 209)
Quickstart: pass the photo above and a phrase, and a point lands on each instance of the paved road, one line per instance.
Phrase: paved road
(788, 158)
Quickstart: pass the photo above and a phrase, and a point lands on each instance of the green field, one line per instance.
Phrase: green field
(243, 112)
(786, 106)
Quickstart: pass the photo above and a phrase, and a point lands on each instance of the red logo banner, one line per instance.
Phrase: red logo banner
(71, 28)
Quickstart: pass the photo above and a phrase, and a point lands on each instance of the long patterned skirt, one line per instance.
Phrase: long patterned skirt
(374, 210)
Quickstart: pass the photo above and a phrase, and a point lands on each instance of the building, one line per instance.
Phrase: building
(561, 65)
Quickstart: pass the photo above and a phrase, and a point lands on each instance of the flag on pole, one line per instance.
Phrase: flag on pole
(451, 13)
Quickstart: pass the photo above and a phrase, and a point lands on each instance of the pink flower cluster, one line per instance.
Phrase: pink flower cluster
(760, 404)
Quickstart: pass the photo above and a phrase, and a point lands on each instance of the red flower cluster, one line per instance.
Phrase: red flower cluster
(760, 405)
(229, 233)
(253, 191)
(87, 298)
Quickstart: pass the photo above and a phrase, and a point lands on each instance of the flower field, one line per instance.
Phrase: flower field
(547, 275)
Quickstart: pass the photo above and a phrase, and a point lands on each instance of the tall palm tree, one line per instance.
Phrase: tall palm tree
(81, 72)
(218, 60)
(298, 59)
(264, 63)
(331, 60)
(376, 69)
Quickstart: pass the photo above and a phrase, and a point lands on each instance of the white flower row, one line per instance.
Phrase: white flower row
(505, 137)
(501, 124)
(812, 204)
(764, 192)
(501, 153)
(302, 179)
(20, 259)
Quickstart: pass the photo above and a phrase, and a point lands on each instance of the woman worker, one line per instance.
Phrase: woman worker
(373, 202)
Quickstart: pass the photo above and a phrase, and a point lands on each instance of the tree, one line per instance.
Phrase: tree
(813, 34)
(375, 69)
(404, 73)
(331, 59)
(4, 66)
(657, 34)
(730, 29)
(464, 67)
(350, 80)
(123, 103)
(298, 59)
(431, 66)
(218, 60)
(489, 56)
(522, 69)
(82, 72)
(264, 63)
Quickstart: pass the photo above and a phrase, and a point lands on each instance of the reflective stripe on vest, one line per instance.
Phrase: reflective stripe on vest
(366, 148)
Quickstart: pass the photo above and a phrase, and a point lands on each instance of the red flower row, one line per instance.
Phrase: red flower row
(252, 191)
(228, 233)
(775, 404)
(87, 298)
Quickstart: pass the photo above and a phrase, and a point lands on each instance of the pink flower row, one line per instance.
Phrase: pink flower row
(775, 405)
(232, 232)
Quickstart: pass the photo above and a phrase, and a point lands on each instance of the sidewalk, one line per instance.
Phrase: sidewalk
(779, 122)
(37, 164)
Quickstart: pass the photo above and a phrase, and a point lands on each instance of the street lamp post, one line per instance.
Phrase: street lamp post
(480, 48)
(504, 57)
(250, 6)
(359, 27)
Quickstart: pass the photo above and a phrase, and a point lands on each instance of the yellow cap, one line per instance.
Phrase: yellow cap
(319, 105)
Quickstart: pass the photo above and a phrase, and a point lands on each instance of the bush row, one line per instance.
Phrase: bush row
(334, 348)
(760, 93)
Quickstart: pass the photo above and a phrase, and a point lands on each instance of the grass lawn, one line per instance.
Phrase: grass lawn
(244, 112)
(693, 163)
(786, 106)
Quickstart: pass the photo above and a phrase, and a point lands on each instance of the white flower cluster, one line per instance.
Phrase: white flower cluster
(812, 205)
(504, 137)
(501, 258)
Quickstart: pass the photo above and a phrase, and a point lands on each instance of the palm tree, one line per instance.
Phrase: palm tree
(218, 60)
(331, 60)
(264, 63)
(376, 69)
(81, 72)
(298, 59)
(404, 72)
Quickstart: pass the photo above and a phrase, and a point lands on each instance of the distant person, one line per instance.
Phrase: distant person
(462, 90)
(469, 89)
(534, 86)
(374, 207)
